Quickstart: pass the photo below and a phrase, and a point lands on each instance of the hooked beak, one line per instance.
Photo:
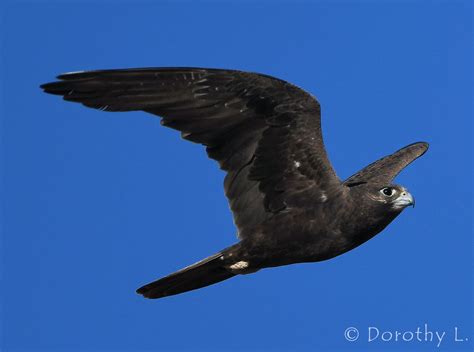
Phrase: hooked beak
(404, 200)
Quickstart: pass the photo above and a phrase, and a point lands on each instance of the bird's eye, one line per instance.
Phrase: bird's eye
(387, 191)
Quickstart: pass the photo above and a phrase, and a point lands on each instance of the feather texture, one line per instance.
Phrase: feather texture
(254, 125)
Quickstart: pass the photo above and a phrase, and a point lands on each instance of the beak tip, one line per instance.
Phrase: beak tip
(405, 200)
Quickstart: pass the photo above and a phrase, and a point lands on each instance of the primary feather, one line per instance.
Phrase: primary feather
(255, 126)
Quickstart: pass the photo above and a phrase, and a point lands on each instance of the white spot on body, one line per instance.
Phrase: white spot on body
(297, 164)
(324, 197)
(239, 265)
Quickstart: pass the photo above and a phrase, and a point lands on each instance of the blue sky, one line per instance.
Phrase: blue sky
(96, 204)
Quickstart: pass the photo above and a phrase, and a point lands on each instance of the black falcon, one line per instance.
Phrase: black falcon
(288, 204)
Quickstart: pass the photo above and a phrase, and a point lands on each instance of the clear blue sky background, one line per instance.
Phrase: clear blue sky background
(96, 204)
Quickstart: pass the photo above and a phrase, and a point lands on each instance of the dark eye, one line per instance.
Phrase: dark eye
(387, 191)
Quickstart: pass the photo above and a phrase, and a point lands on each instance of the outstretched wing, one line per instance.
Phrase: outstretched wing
(264, 132)
(385, 169)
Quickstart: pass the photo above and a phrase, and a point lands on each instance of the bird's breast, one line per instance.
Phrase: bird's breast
(299, 236)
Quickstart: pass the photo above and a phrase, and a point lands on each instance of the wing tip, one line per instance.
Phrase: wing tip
(144, 292)
(422, 146)
(50, 88)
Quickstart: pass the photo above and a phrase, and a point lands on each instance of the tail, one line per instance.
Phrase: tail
(203, 273)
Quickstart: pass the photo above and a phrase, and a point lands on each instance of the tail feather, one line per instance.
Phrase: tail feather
(203, 273)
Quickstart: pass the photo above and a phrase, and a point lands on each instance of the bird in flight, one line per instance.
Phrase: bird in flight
(288, 204)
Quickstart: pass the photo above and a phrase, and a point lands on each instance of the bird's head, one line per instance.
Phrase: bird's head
(389, 197)
(376, 205)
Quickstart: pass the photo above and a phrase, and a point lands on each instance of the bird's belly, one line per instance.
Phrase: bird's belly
(304, 237)
(297, 248)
